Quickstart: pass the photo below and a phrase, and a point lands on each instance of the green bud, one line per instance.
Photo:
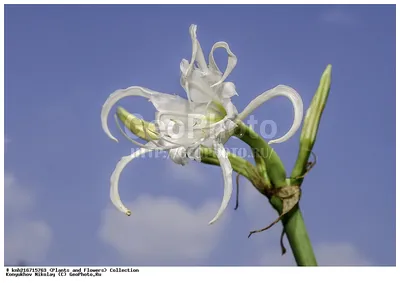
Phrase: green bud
(311, 124)
(239, 165)
(137, 126)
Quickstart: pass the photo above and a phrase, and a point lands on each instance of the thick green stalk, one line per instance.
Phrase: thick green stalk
(296, 233)
(273, 164)
(293, 222)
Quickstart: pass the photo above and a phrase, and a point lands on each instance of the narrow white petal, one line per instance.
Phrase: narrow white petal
(227, 173)
(197, 53)
(115, 97)
(200, 59)
(192, 31)
(280, 90)
(186, 88)
(232, 60)
(114, 194)
(184, 65)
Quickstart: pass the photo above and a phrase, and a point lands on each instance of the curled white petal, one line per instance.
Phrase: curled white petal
(114, 194)
(115, 97)
(227, 173)
(280, 90)
(232, 60)
(197, 52)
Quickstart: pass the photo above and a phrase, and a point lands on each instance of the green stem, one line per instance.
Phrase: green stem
(293, 221)
(239, 165)
(273, 164)
(298, 238)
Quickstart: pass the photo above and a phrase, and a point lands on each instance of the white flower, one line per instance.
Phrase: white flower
(183, 125)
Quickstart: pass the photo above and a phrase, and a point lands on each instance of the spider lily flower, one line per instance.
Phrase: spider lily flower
(183, 125)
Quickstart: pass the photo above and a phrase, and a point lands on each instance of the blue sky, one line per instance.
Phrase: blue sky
(62, 62)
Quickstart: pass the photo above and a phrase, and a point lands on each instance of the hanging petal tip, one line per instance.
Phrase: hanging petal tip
(128, 213)
(219, 214)
(216, 218)
(110, 135)
(227, 173)
(105, 127)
